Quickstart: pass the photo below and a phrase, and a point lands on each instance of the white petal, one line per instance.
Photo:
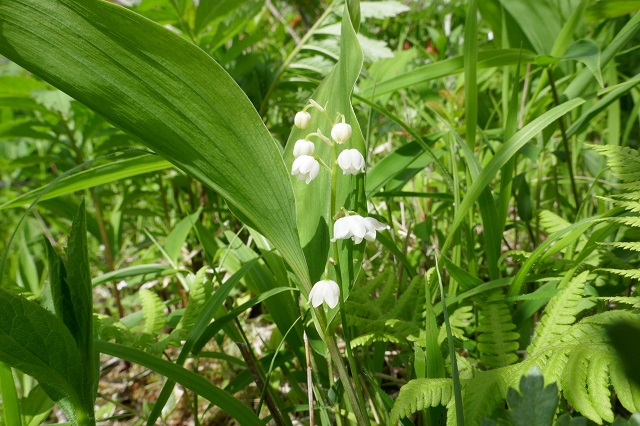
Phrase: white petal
(315, 296)
(374, 224)
(332, 293)
(341, 229)
(358, 228)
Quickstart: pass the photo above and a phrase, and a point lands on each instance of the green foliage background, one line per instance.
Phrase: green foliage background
(501, 140)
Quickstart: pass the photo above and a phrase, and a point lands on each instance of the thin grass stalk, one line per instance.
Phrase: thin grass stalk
(565, 142)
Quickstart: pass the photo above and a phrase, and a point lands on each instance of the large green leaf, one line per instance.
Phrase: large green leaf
(159, 87)
(314, 199)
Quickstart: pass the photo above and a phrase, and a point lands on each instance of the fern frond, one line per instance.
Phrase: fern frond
(627, 392)
(199, 291)
(629, 205)
(624, 162)
(585, 383)
(551, 222)
(384, 316)
(419, 394)
(458, 320)
(152, 310)
(633, 221)
(367, 339)
(632, 245)
(482, 395)
(627, 273)
(633, 301)
(497, 342)
(559, 314)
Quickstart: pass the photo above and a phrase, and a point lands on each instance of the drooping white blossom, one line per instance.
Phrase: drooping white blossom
(302, 120)
(351, 161)
(305, 168)
(326, 291)
(303, 147)
(357, 228)
(341, 132)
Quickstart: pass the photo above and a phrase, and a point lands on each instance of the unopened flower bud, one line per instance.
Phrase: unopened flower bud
(341, 132)
(302, 120)
(303, 147)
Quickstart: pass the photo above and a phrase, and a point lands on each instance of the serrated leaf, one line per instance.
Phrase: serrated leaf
(536, 404)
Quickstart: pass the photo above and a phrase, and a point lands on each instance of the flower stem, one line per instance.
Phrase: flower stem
(356, 400)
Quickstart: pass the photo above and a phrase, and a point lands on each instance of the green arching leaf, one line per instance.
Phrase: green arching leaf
(10, 401)
(186, 378)
(314, 199)
(164, 90)
(98, 175)
(587, 52)
(486, 59)
(178, 236)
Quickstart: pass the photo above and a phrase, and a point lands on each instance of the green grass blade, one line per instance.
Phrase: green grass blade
(207, 312)
(186, 378)
(486, 59)
(9, 394)
(98, 175)
(157, 86)
(504, 153)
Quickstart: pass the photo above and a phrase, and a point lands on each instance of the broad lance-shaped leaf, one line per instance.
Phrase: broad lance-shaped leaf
(314, 199)
(159, 87)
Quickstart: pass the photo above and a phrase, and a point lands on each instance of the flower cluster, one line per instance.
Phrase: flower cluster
(306, 166)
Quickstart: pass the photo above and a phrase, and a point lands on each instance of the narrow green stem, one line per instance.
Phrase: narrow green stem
(357, 403)
(565, 142)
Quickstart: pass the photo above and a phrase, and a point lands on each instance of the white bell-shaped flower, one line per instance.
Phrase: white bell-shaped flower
(351, 161)
(302, 120)
(341, 132)
(357, 228)
(305, 168)
(350, 227)
(326, 291)
(303, 147)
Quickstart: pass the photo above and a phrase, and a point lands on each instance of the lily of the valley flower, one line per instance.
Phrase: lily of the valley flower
(303, 147)
(302, 120)
(341, 132)
(305, 168)
(326, 291)
(357, 228)
(351, 162)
